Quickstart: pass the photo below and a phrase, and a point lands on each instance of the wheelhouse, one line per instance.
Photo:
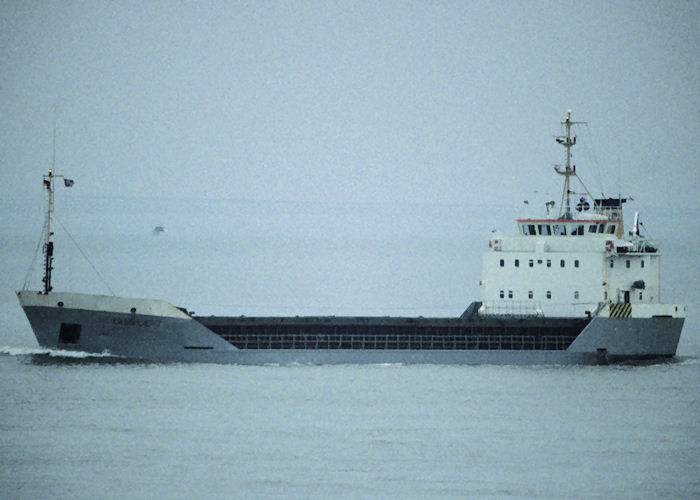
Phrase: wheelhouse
(559, 227)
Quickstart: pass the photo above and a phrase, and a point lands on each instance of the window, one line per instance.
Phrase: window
(532, 263)
(549, 294)
(577, 230)
(640, 296)
(627, 264)
(642, 264)
(531, 229)
(501, 294)
(517, 262)
(611, 228)
(576, 263)
(510, 294)
(529, 294)
(549, 263)
(601, 228)
(562, 263)
(502, 262)
(592, 228)
(576, 295)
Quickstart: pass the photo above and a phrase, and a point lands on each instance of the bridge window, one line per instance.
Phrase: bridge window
(601, 228)
(592, 228)
(531, 229)
(611, 228)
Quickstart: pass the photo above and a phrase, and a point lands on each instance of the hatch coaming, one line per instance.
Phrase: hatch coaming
(418, 334)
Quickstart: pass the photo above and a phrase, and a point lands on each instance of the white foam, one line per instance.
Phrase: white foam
(26, 351)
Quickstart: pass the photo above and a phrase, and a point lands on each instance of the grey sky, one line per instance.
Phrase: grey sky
(447, 102)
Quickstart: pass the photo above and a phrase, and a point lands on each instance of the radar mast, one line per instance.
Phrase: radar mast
(567, 141)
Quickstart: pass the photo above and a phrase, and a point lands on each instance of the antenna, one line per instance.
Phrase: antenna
(53, 156)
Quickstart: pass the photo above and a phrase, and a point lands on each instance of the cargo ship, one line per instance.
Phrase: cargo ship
(568, 287)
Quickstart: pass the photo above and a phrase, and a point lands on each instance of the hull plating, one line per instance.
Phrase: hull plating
(182, 339)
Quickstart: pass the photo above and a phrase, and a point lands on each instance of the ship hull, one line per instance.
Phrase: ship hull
(154, 331)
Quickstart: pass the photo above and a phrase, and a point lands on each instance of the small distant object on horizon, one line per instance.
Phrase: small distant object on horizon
(158, 230)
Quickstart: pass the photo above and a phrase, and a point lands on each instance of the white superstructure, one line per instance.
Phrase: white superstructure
(574, 262)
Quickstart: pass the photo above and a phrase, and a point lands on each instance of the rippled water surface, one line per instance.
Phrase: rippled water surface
(93, 427)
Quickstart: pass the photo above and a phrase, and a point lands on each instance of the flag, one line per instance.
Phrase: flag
(68, 182)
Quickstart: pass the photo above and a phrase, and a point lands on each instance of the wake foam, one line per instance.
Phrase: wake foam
(56, 353)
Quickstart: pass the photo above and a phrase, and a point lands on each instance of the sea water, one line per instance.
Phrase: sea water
(90, 427)
(79, 426)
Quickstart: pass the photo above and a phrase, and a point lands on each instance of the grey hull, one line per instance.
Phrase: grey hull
(161, 338)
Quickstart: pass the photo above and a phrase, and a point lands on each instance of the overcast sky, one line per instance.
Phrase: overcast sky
(440, 102)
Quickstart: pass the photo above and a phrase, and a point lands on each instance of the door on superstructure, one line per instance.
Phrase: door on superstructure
(627, 296)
